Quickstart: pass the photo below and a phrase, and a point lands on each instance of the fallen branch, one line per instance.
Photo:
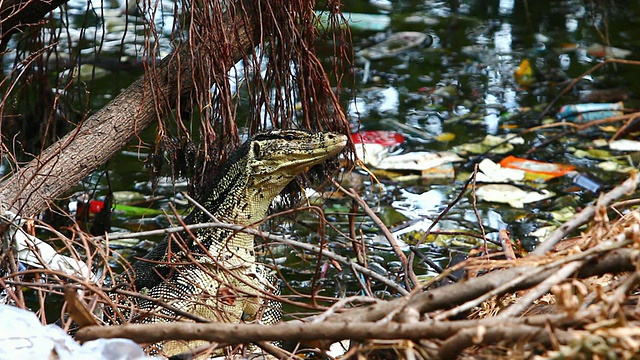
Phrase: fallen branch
(446, 297)
(586, 214)
(513, 333)
(362, 323)
(301, 331)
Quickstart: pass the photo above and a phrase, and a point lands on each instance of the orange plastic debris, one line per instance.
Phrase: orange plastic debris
(537, 169)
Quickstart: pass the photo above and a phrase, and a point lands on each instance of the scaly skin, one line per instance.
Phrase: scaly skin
(225, 283)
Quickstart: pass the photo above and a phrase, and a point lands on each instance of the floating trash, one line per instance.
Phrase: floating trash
(357, 21)
(23, 337)
(590, 111)
(372, 147)
(586, 181)
(417, 161)
(382, 137)
(395, 44)
(536, 169)
(510, 194)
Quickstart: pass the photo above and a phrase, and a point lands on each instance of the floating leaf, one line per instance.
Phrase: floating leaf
(611, 129)
(612, 166)
(607, 51)
(491, 143)
(563, 214)
(445, 137)
(474, 148)
(87, 72)
(600, 143)
(524, 73)
(491, 172)
(594, 154)
(444, 171)
(128, 196)
(542, 232)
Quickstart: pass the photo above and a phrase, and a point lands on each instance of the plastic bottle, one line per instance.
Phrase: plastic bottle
(586, 181)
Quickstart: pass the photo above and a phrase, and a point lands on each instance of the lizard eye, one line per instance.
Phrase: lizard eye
(256, 150)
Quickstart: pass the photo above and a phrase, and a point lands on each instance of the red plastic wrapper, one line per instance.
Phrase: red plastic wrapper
(381, 137)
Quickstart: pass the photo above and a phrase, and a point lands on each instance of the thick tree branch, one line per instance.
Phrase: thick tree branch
(300, 331)
(61, 166)
(449, 296)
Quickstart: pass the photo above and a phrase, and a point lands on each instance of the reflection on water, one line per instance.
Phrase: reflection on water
(505, 7)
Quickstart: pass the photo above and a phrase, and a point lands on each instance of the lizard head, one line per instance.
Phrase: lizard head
(262, 167)
(278, 156)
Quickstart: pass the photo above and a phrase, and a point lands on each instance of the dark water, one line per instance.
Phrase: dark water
(462, 84)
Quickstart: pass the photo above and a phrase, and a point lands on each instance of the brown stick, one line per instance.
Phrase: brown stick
(449, 296)
(511, 332)
(300, 331)
(507, 247)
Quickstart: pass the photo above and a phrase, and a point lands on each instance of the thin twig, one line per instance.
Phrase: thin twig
(385, 231)
(266, 235)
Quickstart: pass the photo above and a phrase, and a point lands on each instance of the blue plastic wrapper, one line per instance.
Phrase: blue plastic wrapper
(590, 111)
